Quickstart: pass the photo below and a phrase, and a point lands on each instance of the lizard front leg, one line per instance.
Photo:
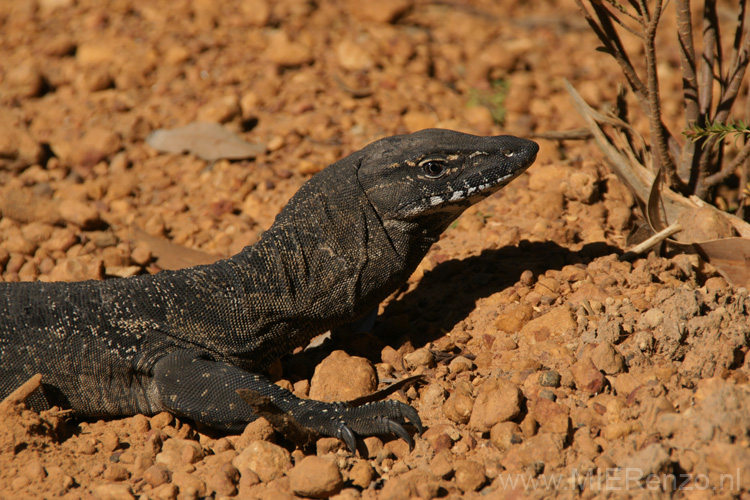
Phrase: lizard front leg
(192, 385)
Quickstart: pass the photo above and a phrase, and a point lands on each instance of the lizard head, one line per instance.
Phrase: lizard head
(432, 176)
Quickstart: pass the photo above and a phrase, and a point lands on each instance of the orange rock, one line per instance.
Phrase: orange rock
(156, 475)
(24, 81)
(458, 406)
(267, 460)
(285, 52)
(497, 401)
(78, 269)
(587, 377)
(415, 483)
(18, 149)
(514, 317)
(220, 110)
(552, 416)
(362, 474)
(353, 56)
(417, 120)
(315, 477)
(114, 491)
(186, 481)
(256, 12)
(545, 447)
(341, 377)
(701, 224)
(606, 358)
(441, 465)
(470, 475)
(505, 434)
(384, 11)
(555, 323)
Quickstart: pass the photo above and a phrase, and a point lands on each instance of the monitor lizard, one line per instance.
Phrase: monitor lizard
(185, 341)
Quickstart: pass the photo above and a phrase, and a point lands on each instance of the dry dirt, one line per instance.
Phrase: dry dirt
(551, 367)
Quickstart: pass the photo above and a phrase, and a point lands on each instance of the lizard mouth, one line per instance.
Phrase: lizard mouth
(460, 197)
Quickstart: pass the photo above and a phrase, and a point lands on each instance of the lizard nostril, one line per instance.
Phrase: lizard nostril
(507, 152)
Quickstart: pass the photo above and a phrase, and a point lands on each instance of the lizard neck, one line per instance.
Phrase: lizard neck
(327, 260)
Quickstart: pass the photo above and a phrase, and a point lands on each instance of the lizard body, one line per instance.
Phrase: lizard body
(184, 341)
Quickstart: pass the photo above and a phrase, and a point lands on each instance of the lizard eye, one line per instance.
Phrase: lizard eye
(433, 169)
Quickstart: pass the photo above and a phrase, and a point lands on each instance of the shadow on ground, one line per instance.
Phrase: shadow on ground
(444, 297)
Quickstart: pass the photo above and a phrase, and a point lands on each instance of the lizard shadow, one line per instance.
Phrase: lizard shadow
(449, 293)
(445, 296)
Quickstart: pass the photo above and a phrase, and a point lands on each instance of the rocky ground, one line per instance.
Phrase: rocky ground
(551, 367)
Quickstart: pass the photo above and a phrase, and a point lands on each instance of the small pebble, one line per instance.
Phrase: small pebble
(267, 460)
(161, 420)
(460, 364)
(497, 401)
(420, 357)
(458, 407)
(186, 482)
(441, 464)
(34, 471)
(113, 491)
(156, 475)
(470, 475)
(315, 477)
(549, 378)
(361, 474)
(505, 434)
(110, 441)
(115, 472)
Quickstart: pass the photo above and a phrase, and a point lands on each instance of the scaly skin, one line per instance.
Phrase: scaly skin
(185, 341)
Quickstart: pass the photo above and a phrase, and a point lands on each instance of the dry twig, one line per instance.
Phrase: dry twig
(711, 84)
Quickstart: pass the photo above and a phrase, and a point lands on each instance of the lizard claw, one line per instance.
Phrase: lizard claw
(383, 417)
(345, 434)
(412, 416)
(399, 430)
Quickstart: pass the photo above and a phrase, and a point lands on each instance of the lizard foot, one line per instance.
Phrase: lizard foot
(300, 422)
(380, 417)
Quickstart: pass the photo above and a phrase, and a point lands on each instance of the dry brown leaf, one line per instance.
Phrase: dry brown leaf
(209, 141)
(730, 256)
(170, 256)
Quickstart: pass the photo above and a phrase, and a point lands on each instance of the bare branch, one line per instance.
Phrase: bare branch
(738, 31)
(636, 6)
(689, 85)
(724, 173)
(607, 34)
(728, 95)
(745, 172)
(709, 58)
(735, 77)
(651, 242)
(622, 10)
(687, 58)
(707, 164)
(626, 27)
(659, 133)
(717, 34)
(644, 11)
(578, 134)
(688, 166)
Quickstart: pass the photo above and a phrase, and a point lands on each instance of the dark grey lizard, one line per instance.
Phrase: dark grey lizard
(185, 341)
